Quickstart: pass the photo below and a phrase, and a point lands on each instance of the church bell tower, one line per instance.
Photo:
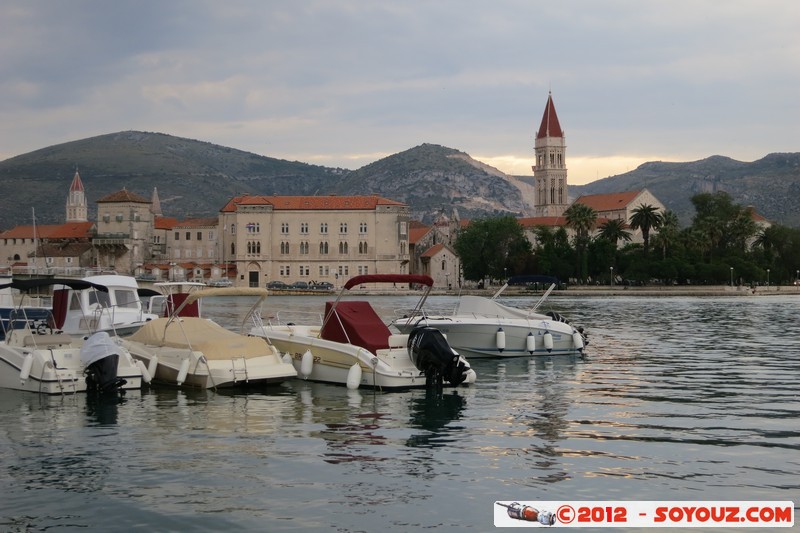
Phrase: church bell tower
(550, 170)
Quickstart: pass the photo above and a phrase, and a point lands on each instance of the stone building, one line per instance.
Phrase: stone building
(313, 238)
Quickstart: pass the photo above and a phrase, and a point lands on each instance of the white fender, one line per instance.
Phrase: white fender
(27, 364)
(183, 371)
(286, 358)
(577, 340)
(146, 377)
(548, 342)
(354, 376)
(530, 342)
(307, 364)
(152, 365)
(472, 377)
(500, 339)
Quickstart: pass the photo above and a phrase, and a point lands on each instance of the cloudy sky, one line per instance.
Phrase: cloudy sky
(346, 82)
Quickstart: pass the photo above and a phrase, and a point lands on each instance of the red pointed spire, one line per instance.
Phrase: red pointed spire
(77, 184)
(550, 126)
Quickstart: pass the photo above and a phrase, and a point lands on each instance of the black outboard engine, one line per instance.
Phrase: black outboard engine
(99, 355)
(431, 353)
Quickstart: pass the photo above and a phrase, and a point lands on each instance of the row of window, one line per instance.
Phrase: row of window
(254, 247)
(255, 227)
(119, 217)
(324, 270)
(188, 236)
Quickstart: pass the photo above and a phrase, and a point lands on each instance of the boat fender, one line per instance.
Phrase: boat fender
(287, 358)
(530, 342)
(146, 377)
(548, 341)
(470, 377)
(577, 340)
(152, 366)
(500, 339)
(25, 371)
(354, 376)
(307, 364)
(183, 371)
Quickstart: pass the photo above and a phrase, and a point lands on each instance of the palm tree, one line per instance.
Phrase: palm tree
(614, 231)
(581, 218)
(646, 217)
(669, 232)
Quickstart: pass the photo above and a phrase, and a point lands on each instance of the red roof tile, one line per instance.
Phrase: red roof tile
(315, 203)
(165, 222)
(416, 233)
(550, 126)
(608, 202)
(70, 230)
(532, 222)
(433, 250)
(77, 184)
(124, 196)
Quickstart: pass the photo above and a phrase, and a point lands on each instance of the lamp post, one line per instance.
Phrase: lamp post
(797, 279)
(731, 277)
(611, 281)
(767, 277)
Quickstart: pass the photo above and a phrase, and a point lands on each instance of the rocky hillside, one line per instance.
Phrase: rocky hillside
(196, 178)
(771, 184)
(431, 178)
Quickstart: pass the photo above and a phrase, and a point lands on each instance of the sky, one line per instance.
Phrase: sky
(343, 83)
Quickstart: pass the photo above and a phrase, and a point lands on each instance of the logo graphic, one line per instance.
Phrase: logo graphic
(529, 514)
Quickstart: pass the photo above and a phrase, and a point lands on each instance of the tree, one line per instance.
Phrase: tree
(614, 231)
(646, 217)
(581, 218)
(493, 247)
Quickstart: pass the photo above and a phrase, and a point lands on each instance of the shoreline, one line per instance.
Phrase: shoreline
(577, 290)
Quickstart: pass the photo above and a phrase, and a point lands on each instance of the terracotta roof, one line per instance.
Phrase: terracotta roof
(124, 196)
(77, 184)
(608, 202)
(433, 250)
(165, 222)
(70, 230)
(416, 233)
(550, 126)
(197, 223)
(315, 203)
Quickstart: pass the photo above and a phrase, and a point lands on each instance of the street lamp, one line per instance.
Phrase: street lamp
(612, 275)
(767, 277)
(731, 277)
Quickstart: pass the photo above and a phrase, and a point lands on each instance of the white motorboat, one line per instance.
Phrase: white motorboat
(187, 350)
(118, 311)
(354, 347)
(484, 328)
(37, 357)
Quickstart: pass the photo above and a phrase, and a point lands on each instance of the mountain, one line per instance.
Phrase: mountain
(432, 178)
(770, 184)
(196, 178)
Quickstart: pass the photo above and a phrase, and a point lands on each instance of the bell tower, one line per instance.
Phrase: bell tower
(550, 170)
(77, 210)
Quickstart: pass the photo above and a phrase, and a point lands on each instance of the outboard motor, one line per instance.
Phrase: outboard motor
(99, 355)
(431, 353)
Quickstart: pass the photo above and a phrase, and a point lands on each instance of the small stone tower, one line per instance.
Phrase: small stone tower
(77, 210)
(550, 170)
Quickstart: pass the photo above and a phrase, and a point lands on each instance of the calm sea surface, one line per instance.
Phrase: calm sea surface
(677, 399)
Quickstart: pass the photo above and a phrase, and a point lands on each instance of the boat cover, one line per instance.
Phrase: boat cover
(362, 326)
(480, 306)
(201, 335)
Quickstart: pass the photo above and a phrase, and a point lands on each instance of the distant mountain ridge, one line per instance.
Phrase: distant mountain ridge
(770, 184)
(196, 178)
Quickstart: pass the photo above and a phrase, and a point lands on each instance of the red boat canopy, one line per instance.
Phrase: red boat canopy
(389, 278)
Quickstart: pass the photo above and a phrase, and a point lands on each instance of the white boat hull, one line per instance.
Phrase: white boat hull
(332, 361)
(55, 366)
(189, 367)
(476, 337)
